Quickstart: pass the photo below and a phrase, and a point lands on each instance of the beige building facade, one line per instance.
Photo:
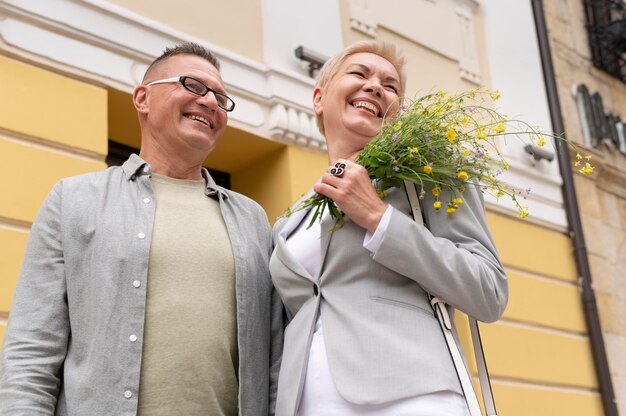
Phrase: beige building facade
(593, 101)
(68, 67)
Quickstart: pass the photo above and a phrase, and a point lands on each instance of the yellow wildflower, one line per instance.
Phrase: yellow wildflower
(506, 166)
(465, 152)
(398, 126)
(428, 169)
(457, 201)
(437, 204)
(451, 134)
(579, 156)
(541, 141)
(450, 210)
(587, 169)
(436, 190)
(462, 175)
(461, 189)
(481, 134)
(382, 194)
(523, 212)
(499, 194)
(413, 150)
(495, 95)
(500, 128)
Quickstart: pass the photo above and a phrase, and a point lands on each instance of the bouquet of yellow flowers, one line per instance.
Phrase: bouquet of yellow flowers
(446, 142)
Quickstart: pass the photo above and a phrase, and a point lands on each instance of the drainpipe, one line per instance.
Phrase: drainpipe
(573, 217)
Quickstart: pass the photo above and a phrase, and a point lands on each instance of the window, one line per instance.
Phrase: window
(606, 26)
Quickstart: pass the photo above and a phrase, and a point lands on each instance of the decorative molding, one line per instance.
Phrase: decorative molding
(108, 45)
(363, 27)
(469, 65)
(290, 125)
(421, 22)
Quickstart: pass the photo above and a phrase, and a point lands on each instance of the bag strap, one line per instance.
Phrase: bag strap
(446, 326)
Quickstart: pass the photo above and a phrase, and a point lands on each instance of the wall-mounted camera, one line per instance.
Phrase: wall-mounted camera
(315, 59)
(538, 153)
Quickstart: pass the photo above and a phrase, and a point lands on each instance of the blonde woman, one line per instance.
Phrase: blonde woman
(362, 338)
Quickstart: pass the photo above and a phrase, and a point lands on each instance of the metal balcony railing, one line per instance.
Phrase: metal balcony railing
(606, 26)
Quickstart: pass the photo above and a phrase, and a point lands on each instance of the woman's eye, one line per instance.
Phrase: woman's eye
(358, 74)
(392, 88)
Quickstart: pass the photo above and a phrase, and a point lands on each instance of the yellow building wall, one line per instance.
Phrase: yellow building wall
(539, 355)
(280, 179)
(51, 127)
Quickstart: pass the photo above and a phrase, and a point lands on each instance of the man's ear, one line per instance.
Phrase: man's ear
(317, 100)
(140, 99)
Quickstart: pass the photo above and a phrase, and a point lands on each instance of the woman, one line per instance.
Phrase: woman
(362, 338)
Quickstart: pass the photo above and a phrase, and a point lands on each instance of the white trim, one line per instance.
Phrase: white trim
(108, 45)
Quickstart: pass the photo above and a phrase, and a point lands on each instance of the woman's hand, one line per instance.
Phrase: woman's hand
(354, 194)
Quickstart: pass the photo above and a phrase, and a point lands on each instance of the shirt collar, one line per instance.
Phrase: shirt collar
(136, 166)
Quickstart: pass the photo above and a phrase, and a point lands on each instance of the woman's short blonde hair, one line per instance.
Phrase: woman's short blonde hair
(382, 49)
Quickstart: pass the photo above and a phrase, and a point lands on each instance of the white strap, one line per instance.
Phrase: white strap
(464, 377)
(446, 326)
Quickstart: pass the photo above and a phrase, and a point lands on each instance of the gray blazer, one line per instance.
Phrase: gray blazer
(383, 341)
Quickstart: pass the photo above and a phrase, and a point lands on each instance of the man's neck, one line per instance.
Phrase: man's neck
(174, 167)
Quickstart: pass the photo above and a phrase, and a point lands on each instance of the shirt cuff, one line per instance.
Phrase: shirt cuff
(373, 241)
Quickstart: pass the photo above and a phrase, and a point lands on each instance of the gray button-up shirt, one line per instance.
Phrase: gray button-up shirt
(74, 338)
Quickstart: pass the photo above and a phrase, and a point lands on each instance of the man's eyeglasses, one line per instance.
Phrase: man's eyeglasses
(198, 88)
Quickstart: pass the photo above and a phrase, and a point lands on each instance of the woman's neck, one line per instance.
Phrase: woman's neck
(341, 150)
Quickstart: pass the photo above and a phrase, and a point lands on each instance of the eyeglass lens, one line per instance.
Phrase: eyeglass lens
(199, 88)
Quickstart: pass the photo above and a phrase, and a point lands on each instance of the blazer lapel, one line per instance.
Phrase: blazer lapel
(328, 222)
(282, 252)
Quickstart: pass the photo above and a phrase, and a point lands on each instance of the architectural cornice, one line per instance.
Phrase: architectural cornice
(110, 46)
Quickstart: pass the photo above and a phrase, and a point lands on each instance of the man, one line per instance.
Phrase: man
(145, 288)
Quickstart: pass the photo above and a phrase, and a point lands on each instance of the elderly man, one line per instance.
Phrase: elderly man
(145, 288)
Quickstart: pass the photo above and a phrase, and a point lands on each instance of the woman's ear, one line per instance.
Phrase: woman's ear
(317, 100)
(140, 99)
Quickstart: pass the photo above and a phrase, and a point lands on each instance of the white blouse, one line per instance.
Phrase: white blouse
(320, 396)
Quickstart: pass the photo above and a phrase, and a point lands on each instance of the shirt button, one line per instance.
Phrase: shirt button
(128, 394)
(132, 338)
(146, 200)
(146, 169)
(136, 283)
(141, 235)
(316, 290)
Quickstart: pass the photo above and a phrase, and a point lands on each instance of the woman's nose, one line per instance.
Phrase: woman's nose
(374, 88)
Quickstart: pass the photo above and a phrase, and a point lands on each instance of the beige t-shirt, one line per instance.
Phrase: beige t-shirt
(190, 361)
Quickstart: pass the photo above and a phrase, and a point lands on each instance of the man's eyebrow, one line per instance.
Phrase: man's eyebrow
(217, 89)
(367, 69)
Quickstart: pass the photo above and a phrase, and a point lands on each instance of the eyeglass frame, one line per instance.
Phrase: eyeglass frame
(181, 80)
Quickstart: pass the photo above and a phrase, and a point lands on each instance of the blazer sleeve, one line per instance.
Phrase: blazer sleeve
(37, 334)
(453, 257)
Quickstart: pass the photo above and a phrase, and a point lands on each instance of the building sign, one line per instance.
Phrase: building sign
(599, 128)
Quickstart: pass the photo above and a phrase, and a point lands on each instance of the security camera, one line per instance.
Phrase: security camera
(315, 59)
(539, 153)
